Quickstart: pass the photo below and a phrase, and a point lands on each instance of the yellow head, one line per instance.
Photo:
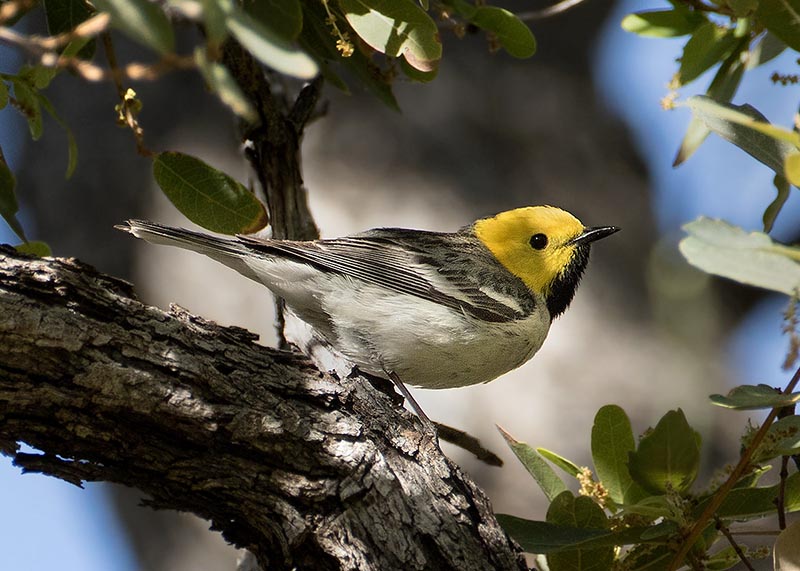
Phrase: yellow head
(546, 247)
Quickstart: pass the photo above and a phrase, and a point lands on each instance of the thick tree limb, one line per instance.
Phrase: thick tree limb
(302, 469)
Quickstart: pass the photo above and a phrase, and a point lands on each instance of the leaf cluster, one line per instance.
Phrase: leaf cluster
(638, 504)
(735, 36)
(362, 42)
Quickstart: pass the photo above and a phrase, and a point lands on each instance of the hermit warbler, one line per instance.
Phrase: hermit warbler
(438, 310)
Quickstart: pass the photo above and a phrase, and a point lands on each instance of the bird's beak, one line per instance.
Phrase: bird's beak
(591, 234)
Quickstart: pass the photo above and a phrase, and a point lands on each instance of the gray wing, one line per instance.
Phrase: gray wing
(393, 258)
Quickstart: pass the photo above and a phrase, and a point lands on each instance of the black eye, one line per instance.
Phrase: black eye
(538, 241)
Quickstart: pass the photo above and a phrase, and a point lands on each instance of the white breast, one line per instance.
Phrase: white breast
(426, 344)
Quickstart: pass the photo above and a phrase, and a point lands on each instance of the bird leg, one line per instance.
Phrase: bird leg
(414, 404)
(438, 431)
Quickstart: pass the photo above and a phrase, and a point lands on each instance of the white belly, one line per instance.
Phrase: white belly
(426, 344)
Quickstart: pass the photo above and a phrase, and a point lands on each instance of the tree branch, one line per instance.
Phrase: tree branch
(304, 470)
(274, 146)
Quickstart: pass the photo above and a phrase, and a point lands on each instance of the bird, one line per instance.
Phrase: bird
(435, 310)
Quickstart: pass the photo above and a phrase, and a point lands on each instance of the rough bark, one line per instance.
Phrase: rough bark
(305, 470)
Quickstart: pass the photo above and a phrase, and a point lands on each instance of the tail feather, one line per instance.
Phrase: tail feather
(228, 251)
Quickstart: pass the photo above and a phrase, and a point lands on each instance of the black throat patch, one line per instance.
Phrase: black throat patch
(562, 290)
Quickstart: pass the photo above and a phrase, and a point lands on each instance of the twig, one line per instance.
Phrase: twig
(304, 109)
(550, 11)
(467, 442)
(44, 46)
(781, 499)
(131, 71)
(734, 477)
(111, 56)
(727, 533)
(45, 50)
(127, 106)
(755, 532)
(9, 10)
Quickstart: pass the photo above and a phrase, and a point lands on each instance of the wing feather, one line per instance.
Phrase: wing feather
(388, 258)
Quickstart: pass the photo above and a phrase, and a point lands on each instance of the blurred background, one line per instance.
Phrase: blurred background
(578, 126)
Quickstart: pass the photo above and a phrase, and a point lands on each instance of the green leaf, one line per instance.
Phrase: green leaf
(749, 130)
(582, 513)
(749, 503)
(578, 512)
(72, 146)
(612, 441)
(79, 47)
(767, 49)
(750, 480)
(746, 128)
(37, 76)
(29, 102)
(64, 15)
(3, 94)
(743, 8)
(723, 87)
(752, 397)
(668, 456)
(569, 467)
(512, 33)
(782, 439)
(417, 75)
(207, 196)
(663, 23)
(774, 208)
(647, 558)
(40, 249)
(652, 507)
(660, 532)
(8, 199)
(373, 78)
(723, 559)
(395, 28)
(284, 17)
(465, 9)
(142, 20)
(546, 537)
(782, 18)
(791, 168)
(316, 40)
(722, 249)
(696, 134)
(708, 45)
(214, 12)
(269, 48)
(536, 466)
(220, 81)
